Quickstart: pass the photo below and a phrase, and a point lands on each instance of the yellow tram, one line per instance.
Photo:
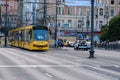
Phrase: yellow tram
(29, 37)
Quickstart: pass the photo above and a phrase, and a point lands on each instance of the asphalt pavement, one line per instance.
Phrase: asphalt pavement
(58, 64)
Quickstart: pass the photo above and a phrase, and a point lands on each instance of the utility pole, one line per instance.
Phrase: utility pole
(92, 30)
(6, 25)
(87, 22)
(56, 25)
(107, 24)
(82, 24)
(45, 12)
(34, 12)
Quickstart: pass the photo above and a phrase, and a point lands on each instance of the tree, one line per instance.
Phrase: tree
(114, 28)
(103, 33)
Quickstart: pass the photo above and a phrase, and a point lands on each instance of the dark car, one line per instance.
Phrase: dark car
(60, 43)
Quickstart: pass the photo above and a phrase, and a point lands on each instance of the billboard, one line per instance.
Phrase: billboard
(78, 2)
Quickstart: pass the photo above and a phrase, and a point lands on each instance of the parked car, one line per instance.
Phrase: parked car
(60, 43)
(82, 44)
(71, 44)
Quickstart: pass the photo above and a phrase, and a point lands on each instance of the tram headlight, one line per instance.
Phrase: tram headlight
(34, 42)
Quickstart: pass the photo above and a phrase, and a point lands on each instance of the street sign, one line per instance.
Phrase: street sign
(51, 24)
(80, 36)
(65, 25)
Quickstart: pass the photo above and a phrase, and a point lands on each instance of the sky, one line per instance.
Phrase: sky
(78, 2)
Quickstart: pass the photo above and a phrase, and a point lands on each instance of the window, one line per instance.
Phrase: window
(69, 11)
(112, 1)
(40, 35)
(58, 24)
(99, 1)
(8, 19)
(70, 23)
(112, 12)
(59, 10)
(96, 13)
(63, 11)
(79, 23)
(119, 2)
(88, 11)
(11, 19)
(62, 21)
(11, 7)
(63, 1)
(100, 24)
(3, 18)
(79, 11)
(101, 12)
(15, 19)
(119, 10)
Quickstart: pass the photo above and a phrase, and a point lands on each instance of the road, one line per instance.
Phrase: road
(58, 64)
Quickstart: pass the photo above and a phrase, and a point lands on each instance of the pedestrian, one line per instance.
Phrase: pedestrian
(95, 43)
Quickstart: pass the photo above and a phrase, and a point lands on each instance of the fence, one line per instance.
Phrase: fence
(113, 46)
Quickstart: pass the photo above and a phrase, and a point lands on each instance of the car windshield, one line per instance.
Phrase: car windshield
(40, 35)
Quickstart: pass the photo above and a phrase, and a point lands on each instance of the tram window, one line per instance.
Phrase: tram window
(25, 36)
(22, 35)
(29, 35)
(40, 35)
(9, 37)
(16, 35)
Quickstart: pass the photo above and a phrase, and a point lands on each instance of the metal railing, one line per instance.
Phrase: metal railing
(113, 46)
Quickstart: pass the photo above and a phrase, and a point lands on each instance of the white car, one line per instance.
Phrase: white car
(82, 44)
(71, 44)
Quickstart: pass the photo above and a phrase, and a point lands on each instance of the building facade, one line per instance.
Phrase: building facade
(27, 11)
(9, 12)
(71, 19)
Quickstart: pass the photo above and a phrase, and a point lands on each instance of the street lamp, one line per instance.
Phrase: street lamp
(87, 24)
(82, 24)
(92, 30)
(55, 45)
(34, 13)
(45, 12)
(106, 16)
(6, 24)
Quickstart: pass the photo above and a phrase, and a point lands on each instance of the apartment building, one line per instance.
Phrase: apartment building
(11, 13)
(27, 11)
(72, 19)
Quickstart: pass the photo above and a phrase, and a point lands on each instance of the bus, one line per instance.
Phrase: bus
(33, 37)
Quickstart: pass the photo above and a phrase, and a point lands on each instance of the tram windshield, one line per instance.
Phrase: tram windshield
(40, 35)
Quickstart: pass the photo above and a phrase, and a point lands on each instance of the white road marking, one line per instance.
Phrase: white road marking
(79, 60)
(48, 66)
(48, 75)
(34, 66)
